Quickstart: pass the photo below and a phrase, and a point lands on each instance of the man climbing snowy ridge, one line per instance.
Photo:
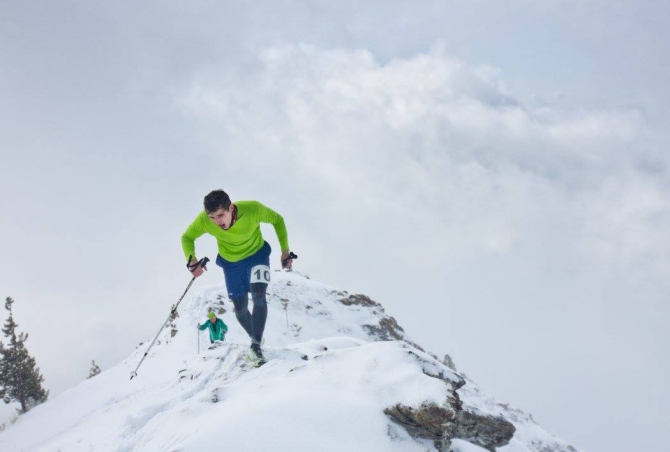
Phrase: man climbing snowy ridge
(243, 255)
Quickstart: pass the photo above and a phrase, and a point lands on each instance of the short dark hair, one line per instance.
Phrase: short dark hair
(215, 200)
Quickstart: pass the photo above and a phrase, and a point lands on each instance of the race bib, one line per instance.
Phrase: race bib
(260, 274)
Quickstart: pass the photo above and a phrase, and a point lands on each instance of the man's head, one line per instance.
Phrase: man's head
(212, 316)
(215, 200)
(219, 208)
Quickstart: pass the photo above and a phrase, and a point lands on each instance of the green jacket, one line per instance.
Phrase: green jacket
(217, 330)
(244, 238)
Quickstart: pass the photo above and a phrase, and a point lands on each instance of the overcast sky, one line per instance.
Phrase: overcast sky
(494, 173)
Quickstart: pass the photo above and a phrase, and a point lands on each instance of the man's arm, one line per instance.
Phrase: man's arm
(267, 215)
(188, 238)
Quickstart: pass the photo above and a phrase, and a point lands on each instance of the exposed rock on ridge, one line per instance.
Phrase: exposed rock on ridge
(450, 421)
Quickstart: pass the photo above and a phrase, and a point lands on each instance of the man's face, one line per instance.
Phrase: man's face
(222, 217)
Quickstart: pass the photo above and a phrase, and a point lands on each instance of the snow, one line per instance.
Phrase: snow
(325, 386)
(8, 413)
(464, 446)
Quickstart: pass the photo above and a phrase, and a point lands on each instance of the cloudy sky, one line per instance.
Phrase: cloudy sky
(494, 173)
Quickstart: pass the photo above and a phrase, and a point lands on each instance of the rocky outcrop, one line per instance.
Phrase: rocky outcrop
(428, 421)
(486, 431)
(359, 300)
(387, 330)
(443, 423)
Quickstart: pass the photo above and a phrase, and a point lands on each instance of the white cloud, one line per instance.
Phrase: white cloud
(435, 146)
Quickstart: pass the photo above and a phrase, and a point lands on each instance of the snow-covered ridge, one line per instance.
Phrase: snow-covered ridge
(341, 375)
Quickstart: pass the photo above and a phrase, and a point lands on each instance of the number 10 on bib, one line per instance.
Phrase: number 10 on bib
(260, 274)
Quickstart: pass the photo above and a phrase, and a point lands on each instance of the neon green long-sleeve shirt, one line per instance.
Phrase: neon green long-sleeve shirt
(244, 238)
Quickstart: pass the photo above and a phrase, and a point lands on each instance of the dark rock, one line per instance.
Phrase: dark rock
(361, 300)
(443, 423)
(486, 431)
(428, 421)
(387, 330)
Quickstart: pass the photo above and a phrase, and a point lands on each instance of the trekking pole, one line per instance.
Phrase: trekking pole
(198, 341)
(202, 262)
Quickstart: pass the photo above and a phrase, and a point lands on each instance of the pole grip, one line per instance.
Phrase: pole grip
(291, 255)
(201, 263)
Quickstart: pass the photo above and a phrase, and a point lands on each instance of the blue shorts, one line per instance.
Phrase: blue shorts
(238, 274)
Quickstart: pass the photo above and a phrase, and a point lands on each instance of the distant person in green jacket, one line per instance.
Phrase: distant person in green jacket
(217, 328)
(243, 255)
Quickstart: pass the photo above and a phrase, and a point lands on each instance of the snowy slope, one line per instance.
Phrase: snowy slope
(326, 386)
(8, 414)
